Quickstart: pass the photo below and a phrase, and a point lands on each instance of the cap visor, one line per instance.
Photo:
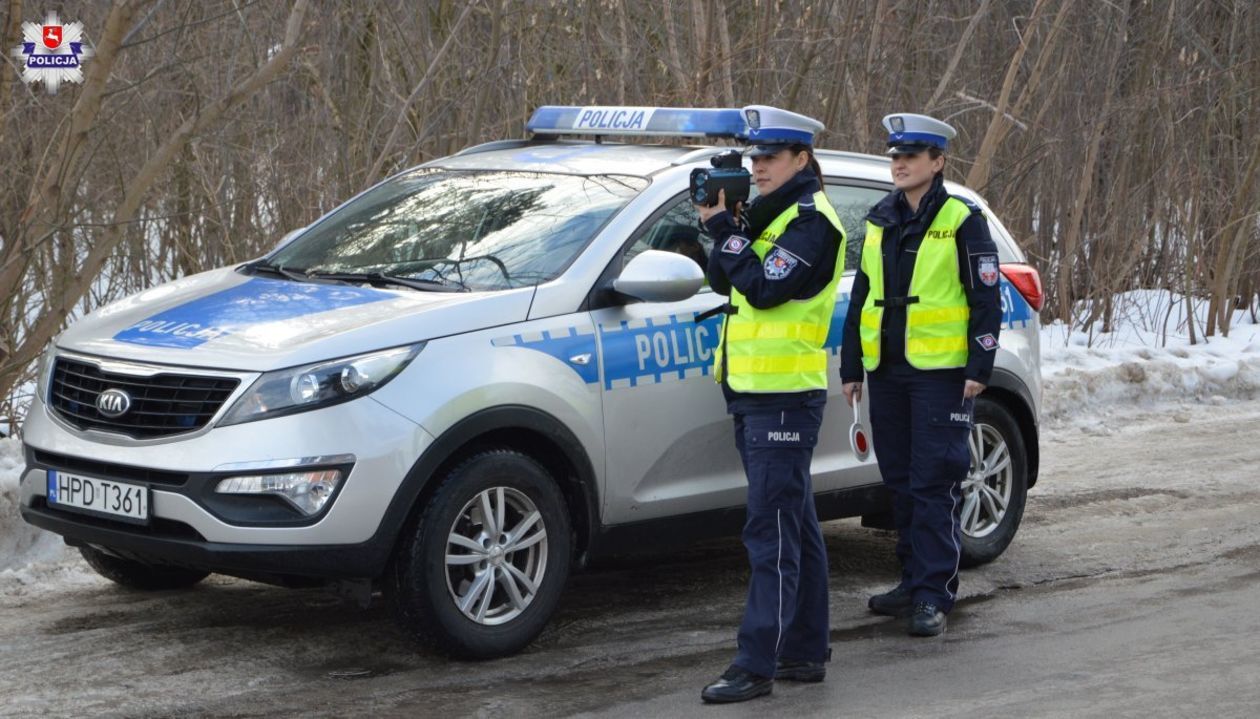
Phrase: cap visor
(907, 149)
(759, 150)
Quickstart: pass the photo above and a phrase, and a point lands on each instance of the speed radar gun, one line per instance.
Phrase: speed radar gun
(859, 440)
(728, 174)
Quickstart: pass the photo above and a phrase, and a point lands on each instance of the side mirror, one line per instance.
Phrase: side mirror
(656, 276)
(288, 238)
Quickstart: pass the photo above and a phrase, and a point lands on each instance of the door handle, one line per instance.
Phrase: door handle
(582, 359)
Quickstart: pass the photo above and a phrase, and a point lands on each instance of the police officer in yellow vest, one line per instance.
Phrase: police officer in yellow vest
(923, 324)
(780, 260)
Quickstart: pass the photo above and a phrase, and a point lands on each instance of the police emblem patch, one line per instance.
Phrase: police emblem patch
(987, 266)
(779, 264)
(988, 342)
(735, 245)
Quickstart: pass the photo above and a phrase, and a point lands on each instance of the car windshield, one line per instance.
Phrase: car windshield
(478, 231)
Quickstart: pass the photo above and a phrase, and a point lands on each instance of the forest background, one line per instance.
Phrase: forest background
(1117, 139)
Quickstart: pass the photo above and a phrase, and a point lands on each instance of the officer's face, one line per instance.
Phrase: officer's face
(911, 171)
(771, 171)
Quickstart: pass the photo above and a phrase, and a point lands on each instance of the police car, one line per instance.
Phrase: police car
(462, 384)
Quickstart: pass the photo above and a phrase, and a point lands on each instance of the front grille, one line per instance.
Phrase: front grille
(108, 470)
(161, 405)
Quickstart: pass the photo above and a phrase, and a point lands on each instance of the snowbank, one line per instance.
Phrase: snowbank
(1146, 361)
(20, 543)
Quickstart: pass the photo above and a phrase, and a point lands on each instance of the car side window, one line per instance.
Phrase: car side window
(852, 203)
(678, 230)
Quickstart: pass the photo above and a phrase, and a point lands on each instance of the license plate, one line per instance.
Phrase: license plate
(129, 502)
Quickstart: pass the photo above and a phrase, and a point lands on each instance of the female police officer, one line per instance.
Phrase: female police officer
(773, 370)
(923, 322)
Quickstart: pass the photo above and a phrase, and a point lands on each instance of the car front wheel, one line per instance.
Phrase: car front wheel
(994, 492)
(480, 572)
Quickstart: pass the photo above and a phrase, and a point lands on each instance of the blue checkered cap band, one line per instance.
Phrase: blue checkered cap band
(910, 130)
(772, 126)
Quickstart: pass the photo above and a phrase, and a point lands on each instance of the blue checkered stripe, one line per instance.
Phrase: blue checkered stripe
(563, 344)
(657, 350)
(661, 350)
(1015, 309)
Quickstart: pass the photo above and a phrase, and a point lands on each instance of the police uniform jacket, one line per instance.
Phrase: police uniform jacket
(809, 244)
(903, 233)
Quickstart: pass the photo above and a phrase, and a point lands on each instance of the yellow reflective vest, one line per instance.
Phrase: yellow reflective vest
(936, 325)
(780, 349)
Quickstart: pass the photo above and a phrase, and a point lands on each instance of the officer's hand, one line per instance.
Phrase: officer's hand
(706, 213)
(852, 392)
(972, 389)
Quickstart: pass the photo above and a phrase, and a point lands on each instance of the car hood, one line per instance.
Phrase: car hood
(226, 320)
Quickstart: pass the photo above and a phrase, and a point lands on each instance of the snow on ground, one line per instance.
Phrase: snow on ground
(29, 557)
(1092, 381)
(1146, 362)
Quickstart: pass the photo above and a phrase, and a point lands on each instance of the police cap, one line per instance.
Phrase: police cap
(771, 130)
(909, 134)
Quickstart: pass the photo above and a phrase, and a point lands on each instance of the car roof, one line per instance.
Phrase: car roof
(578, 157)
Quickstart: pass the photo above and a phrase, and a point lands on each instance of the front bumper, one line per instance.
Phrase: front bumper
(375, 445)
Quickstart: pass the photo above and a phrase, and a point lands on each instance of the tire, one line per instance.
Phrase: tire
(138, 575)
(1002, 476)
(431, 576)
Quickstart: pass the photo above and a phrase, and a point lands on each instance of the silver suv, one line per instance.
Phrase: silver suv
(460, 385)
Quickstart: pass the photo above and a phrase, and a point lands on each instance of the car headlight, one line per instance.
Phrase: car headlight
(43, 372)
(313, 386)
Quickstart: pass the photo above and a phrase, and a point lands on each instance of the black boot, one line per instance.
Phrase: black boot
(895, 603)
(927, 620)
(737, 685)
(795, 670)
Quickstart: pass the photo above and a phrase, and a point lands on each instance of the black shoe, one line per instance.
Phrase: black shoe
(737, 685)
(927, 620)
(895, 603)
(795, 670)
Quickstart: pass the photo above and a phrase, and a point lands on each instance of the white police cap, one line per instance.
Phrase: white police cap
(909, 133)
(771, 129)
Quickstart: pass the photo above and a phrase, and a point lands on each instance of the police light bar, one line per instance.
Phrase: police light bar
(615, 120)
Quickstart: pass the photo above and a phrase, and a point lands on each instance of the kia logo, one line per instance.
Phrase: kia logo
(113, 403)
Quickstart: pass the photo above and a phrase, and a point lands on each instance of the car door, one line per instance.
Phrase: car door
(670, 448)
(670, 443)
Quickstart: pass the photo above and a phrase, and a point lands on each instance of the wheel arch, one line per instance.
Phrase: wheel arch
(525, 429)
(1006, 388)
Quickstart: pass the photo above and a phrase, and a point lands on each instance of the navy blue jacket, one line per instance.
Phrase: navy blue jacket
(903, 233)
(799, 267)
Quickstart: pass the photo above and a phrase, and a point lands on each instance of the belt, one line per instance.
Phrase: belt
(896, 301)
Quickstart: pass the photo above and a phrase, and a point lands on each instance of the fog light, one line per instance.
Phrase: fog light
(308, 492)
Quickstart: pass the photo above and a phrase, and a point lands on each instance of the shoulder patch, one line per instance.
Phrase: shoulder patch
(987, 269)
(779, 264)
(735, 244)
(988, 342)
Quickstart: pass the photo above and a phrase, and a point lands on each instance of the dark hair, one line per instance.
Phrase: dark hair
(800, 147)
(935, 152)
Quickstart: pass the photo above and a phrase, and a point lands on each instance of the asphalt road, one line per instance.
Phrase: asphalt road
(1132, 590)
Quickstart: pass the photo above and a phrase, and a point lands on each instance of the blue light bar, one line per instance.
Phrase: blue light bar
(615, 120)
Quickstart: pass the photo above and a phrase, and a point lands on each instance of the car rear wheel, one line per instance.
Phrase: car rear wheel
(480, 571)
(138, 575)
(994, 492)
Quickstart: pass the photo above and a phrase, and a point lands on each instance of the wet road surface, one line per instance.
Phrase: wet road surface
(1132, 589)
